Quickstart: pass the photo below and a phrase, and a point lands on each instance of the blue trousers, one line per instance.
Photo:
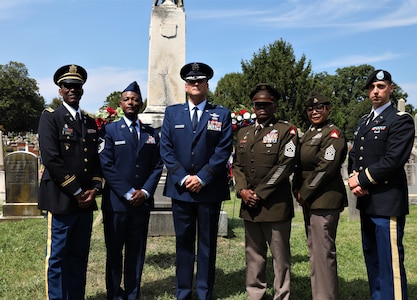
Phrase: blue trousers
(67, 251)
(188, 216)
(384, 256)
(128, 230)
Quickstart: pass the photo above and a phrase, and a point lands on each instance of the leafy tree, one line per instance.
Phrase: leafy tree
(20, 102)
(274, 64)
(112, 100)
(348, 96)
(230, 93)
(55, 103)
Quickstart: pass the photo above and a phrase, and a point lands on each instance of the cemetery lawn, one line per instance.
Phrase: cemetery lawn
(22, 249)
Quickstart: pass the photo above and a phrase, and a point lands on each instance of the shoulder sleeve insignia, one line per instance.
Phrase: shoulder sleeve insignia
(334, 134)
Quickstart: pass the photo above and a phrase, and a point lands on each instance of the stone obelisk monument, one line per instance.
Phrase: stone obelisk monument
(165, 87)
(166, 58)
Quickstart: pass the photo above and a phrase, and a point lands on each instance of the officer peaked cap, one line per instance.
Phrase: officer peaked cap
(196, 70)
(265, 87)
(315, 98)
(70, 74)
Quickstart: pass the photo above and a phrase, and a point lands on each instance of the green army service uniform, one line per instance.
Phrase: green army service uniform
(322, 152)
(264, 163)
(318, 180)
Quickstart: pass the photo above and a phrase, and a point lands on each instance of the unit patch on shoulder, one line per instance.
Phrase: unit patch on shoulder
(334, 134)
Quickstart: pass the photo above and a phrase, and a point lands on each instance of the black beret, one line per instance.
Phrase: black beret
(133, 87)
(265, 88)
(196, 70)
(315, 98)
(378, 75)
(70, 74)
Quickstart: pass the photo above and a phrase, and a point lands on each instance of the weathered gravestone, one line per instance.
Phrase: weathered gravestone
(21, 171)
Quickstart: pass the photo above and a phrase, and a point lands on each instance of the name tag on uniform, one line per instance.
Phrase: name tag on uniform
(116, 143)
(179, 126)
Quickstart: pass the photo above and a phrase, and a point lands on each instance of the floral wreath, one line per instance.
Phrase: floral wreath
(241, 117)
(107, 115)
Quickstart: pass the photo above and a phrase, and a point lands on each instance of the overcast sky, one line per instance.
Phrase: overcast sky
(110, 38)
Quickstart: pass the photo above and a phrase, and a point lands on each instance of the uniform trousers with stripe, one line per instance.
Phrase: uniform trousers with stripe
(68, 246)
(258, 236)
(384, 256)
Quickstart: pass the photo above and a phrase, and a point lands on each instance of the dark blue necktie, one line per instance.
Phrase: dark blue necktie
(194, 120)
(135, 133)
(78, 120)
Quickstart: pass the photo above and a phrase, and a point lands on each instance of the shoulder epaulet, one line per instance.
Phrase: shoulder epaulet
(285, 122)
(403, 113)
(49, 109)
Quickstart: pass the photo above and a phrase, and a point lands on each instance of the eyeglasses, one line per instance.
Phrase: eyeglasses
(318, 108)
(71, 86)
(192, 81)
(262, 104)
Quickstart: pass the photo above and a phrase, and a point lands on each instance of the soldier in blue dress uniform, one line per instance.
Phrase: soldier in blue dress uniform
(382, 145)
(131, 167)
(196, 142)
(68, 141)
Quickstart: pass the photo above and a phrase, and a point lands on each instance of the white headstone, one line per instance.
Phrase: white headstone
(401, 105)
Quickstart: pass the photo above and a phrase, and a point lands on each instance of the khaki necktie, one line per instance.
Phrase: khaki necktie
(258, 128)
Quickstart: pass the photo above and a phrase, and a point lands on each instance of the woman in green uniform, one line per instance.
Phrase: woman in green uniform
(318, 187)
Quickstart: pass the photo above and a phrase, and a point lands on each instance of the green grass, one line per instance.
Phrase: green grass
(22, 249)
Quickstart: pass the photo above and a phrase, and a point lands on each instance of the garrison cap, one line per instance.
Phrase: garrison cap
(70, 74)
(315, 98)
(378, 75)
(133, 87)
(265, 93)
(195, 71)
